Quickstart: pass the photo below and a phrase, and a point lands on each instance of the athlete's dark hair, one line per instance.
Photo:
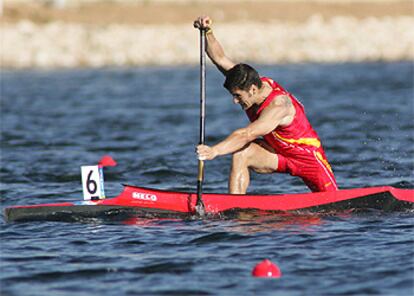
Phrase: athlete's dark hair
(242, 76)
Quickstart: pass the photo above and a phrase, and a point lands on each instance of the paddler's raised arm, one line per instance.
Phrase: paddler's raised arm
(214, 49)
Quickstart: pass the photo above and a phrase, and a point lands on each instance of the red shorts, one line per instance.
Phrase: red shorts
(312, 167)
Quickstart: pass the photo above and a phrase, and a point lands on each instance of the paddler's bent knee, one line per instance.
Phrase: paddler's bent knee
(257, 158)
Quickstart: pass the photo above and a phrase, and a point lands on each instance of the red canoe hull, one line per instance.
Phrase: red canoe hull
(141, 199)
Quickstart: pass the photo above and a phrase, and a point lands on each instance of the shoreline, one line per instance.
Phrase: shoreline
(178, 12)
(385, 36)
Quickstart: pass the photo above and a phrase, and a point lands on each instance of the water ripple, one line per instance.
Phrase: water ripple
(52, 122)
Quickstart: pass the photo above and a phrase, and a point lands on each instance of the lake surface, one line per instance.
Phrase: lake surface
(53, 122)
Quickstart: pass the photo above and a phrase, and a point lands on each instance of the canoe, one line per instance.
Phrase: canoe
(142, 201)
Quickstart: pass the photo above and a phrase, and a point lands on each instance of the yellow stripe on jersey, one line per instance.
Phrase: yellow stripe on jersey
(324, 161)
(303, 141)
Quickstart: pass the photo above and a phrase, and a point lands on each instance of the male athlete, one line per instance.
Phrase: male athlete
(289, 144)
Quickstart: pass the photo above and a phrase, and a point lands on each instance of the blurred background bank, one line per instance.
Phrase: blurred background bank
(93, 33)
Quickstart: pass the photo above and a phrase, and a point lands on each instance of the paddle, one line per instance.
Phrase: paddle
(200, 205)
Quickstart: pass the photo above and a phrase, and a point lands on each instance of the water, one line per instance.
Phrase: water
(147, 118)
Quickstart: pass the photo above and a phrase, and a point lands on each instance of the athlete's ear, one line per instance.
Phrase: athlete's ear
(253, 89)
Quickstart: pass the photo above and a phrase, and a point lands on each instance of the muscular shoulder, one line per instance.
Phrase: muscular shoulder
(281, 101)
(282, 106)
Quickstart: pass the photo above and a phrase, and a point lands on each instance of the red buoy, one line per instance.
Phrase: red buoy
(107, 161)
(266, 268)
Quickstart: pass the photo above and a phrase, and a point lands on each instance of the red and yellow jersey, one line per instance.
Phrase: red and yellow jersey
(297, 145)
(291, 139)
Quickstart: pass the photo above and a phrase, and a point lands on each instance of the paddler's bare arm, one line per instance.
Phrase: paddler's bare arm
(279, 112)
(214, 49)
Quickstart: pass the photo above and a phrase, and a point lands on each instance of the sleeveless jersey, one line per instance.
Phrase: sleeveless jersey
(297, 136)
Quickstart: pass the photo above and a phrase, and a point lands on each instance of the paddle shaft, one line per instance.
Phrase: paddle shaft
(200, 204)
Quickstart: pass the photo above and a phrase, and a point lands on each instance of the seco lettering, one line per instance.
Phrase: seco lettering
(144, 196)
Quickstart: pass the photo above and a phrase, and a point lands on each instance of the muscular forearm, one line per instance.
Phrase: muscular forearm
(214, 49)
(236, 141)
(216, 54)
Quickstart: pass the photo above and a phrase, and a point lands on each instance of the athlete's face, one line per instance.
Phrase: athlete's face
(244, 98)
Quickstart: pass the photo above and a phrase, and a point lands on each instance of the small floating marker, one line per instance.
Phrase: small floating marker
(266, 268)
(107, 161)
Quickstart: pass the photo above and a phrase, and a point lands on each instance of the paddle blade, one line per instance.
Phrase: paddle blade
(107, 161)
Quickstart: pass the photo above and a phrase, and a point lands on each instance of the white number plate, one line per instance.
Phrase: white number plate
(92, 182)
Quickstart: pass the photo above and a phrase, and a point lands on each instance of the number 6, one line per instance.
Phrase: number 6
(91, 184)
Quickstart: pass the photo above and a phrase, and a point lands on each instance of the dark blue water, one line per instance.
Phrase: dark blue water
(52, 122)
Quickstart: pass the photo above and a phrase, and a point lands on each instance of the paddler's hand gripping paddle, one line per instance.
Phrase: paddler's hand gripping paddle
(200, 205)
